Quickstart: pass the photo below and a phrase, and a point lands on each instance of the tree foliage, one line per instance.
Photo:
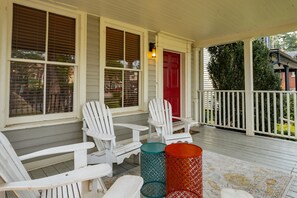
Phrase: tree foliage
(226, 67)
(286, 42)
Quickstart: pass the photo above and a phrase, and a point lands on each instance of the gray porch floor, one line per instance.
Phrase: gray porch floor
(276, 153)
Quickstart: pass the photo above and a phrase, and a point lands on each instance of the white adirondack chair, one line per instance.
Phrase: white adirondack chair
(161, 118)
(76, 183)
(98, 124)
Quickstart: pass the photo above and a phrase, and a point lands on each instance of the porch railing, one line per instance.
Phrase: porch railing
(275, 112)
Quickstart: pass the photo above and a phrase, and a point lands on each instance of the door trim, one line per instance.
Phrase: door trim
(170, 43)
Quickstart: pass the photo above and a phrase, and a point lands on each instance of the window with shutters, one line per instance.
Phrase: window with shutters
(123, 69)
(43, 63)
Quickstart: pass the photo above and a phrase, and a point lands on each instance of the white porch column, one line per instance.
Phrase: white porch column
(196, 77)
(249, 86)
(3, 62)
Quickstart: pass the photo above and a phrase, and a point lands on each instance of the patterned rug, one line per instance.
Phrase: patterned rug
(221, 171)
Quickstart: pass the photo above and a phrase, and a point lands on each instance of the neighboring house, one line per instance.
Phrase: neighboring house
(286, 64)
(207, 83)
(56, 55)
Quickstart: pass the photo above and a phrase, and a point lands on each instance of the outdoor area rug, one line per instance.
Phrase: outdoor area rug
(221, 171)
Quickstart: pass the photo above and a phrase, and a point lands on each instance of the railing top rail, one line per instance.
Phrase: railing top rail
(263, 91)
(215, 90)
(257, 91)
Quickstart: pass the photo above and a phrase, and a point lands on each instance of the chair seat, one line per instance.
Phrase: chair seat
(120, 153)
(184, 137)
(71, 190)
(122, 149)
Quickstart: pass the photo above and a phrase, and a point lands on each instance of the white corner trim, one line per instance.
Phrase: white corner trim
(3, 60)
(168, 42)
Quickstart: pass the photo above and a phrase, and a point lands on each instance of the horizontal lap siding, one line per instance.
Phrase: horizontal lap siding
(124, 133)
(92, 79)
(207, 80)
(33, 139)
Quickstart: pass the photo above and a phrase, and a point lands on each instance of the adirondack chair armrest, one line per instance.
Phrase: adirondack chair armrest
(186, 120)
(155, 123)
(132, 126)
(58, 150)
(105, 137)
(82, 174)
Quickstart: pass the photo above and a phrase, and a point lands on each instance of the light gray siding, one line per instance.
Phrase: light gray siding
(207, 81)
(93, 58)
(93, 78)
(152, 87)
(33, 139)
(151, 79)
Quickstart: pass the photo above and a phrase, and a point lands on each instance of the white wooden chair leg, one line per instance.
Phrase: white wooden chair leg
(108, 157)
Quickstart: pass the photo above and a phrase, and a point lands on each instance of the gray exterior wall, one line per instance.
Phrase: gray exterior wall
(33, 139)
(206, 79)
(93, 81)
(92, 91)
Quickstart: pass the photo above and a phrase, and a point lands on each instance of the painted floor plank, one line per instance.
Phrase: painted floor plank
(272, 152)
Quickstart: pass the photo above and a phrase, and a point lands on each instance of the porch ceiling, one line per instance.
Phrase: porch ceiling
(206, 22)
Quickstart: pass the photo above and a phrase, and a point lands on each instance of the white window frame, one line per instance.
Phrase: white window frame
(80, 67)
(143, 83)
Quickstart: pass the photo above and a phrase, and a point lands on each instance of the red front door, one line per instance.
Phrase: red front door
(171, 80)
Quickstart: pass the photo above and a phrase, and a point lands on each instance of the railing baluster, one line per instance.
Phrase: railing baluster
(233, 109)
(207, 107)
(288, 114)
(216, 108)
(274, 113)
(281, 113)
(238, 108)
(228, 107)
(268, 112)
(220, 108)
(200, 106)
(203, 109)
(243, 109)
(224, 108)
(262, 111)
(295, 113)
(211, 107)
(257, 113)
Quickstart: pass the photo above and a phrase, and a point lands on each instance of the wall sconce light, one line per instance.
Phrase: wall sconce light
(152, 49)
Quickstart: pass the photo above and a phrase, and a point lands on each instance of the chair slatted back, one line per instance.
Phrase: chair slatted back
(161, 111)
(99, 119)
(12, 169)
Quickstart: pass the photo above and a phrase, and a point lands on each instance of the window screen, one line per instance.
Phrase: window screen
(122, 69)
(47, 86)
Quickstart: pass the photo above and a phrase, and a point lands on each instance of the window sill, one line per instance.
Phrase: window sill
(40, 124)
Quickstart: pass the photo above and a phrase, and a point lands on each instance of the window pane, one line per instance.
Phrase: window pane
(59, 89)
(61, 39)
(114, 48)
(113, 88)
(28, 33)
(26, 89)
(132, 53)
(131, 88)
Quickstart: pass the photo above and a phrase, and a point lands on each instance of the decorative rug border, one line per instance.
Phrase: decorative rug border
(288, 186)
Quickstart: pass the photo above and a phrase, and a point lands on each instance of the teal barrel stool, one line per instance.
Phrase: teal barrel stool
(152, 167)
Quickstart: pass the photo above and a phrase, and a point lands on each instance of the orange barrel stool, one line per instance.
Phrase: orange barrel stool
(152, 169)
(183, 170)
